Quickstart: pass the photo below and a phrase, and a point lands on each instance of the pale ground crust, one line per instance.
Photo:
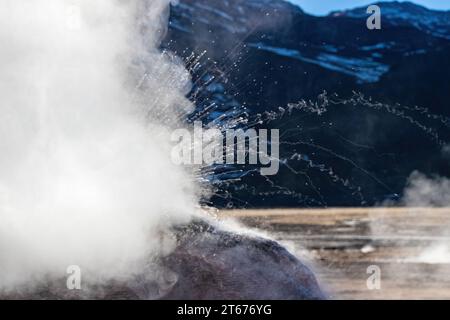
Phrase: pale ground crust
(411, 246)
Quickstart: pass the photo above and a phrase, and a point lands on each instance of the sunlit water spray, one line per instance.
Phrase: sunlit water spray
(226, 109)
(234, 113)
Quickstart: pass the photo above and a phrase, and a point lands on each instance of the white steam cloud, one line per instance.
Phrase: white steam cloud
(86, 104)
(423, 191)
(431, 192)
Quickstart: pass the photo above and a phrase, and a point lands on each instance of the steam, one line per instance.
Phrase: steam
(424, 198)
(430, 192)
(423, 191)
(87, 103)
(446, 151)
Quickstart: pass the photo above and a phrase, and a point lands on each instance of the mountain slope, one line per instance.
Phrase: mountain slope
(264, 56)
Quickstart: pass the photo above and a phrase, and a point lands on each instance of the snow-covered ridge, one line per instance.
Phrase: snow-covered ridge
(434, 22)
(366, 59)
(236, 16)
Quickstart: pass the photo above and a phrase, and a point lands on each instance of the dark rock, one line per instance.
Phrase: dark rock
(207, 263)
(213, 264)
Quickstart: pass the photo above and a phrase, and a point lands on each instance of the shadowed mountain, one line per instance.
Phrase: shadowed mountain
(270, 56)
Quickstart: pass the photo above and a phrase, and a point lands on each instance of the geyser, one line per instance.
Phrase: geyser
(87, 104)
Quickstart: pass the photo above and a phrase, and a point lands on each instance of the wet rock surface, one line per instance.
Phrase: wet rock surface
(207, 263)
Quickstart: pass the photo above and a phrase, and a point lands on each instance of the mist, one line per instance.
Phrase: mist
(431, 192)
(423, 191)
(87, 105)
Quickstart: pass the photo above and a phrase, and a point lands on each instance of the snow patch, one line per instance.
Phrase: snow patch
(365, 70)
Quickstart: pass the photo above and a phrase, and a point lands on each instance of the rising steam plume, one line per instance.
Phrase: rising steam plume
(87, 104)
